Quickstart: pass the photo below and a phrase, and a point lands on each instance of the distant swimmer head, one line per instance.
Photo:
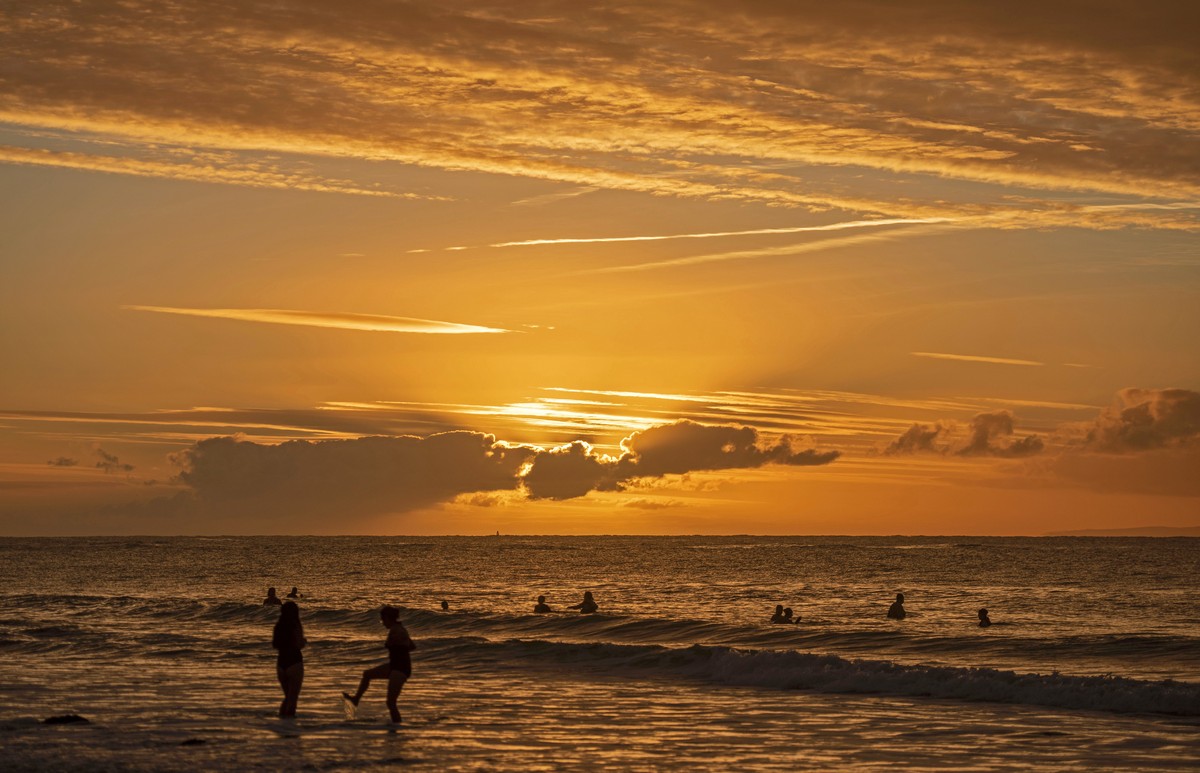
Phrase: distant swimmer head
(271, 592)
(984, 620)
(445, 605)
(983, 613)
(294, 593)
(779, 609)
(541, 599)
(389, 614)
(899, 598)
(587, 594)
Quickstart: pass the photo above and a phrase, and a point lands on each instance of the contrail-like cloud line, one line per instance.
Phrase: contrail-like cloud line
(338, 320)
(716, 234)
(975, 358)
(788, 250)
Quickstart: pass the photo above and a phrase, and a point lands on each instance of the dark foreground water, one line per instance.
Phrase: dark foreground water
(162, 643)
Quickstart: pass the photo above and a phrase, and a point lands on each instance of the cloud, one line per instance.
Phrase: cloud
(730, 104)
(312, 484)
(987, 428)
(1156, 471)
(687, 446)
(1144, 419)
(109, 462)
(63, 461)
(989, 435)
(915, 439)
(335, 478)
(568, 471)
(718, 234)
(337, 320)
(974, 358)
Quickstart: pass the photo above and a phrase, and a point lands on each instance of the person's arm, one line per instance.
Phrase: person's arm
(400, 638)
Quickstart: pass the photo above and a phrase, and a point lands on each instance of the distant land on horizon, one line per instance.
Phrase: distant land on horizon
(1140, 531)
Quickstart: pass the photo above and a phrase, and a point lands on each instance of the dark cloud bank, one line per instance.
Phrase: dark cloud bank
(372, 475)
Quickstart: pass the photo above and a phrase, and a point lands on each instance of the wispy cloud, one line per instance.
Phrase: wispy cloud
(919, 227)
(717, 234)
(975, 358)
(338, 320)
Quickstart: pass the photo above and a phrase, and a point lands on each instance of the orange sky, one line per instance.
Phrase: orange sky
(769, 267)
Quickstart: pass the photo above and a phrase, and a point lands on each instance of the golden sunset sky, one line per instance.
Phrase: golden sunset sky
(780, 267)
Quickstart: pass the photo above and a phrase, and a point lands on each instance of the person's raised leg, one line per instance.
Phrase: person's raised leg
(379, 672)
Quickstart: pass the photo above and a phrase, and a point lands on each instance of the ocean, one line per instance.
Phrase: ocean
(164, 646)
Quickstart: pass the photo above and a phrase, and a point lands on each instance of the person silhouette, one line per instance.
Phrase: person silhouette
(445, 605)
(587, 606)
(896, 610)
(787, 617)
(294, 593)
(542, 607)
(778, 616)
(398, 667)
(288, 638)
(271, 599)
(984, 620)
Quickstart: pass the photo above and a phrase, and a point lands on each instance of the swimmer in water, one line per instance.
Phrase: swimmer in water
(271, 599)
(588, 605)
(445, 605)
(787, 617)
(984, 620)
(398, 667)
(294, 594)
(778, 616)
(896, 610)
(542, 607)
(288, 638)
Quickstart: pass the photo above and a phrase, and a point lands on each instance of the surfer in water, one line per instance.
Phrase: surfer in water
(778, 616)
(288, 638)
(984, 620)
(542, 607)
(588, 605)
(294, 594)
(896, 610)
(396, 670)
(271, 600)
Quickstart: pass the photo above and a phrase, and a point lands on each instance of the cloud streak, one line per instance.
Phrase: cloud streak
(719, 234)
(976, 358)
(336, 320)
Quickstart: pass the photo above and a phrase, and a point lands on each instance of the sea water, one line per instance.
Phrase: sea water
(163, 644)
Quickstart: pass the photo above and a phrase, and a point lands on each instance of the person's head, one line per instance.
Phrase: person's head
(983, 613)
(587, 594)
(787, 611)
(899, 598)
(271, 592)
(779, 609)
(541, 599)
(289, 615)
(389, 615)
(445, 605)
(294, 591)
